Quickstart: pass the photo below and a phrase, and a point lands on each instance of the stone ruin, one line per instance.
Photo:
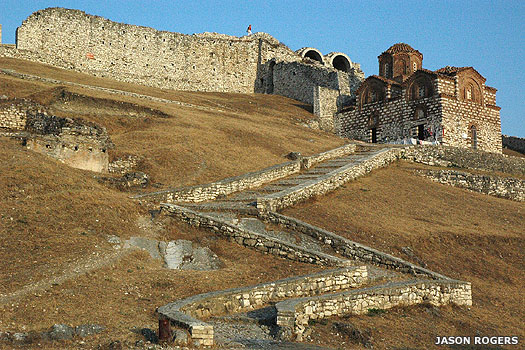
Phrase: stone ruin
(74, 142)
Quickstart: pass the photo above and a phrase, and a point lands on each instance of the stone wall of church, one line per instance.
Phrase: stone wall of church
(393, 120)
(460, 116)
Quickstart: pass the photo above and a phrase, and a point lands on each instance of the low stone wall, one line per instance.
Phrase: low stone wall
(13, 113)
(253, 239)
(326, 183)
(308, 162)
(293, 315)
(185, 313)
(504, 187)
(211, 191)
(514, 143)
(465, 158)
(348, 248)
(124, 164)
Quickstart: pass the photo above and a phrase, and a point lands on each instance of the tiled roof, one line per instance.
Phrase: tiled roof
(400, 47)
(450, 70)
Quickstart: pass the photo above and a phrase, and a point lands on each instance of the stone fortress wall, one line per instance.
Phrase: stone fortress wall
(202, 62)
(514, 143)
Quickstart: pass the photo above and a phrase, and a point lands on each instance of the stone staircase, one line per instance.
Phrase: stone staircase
(245, 202)
(262, 316)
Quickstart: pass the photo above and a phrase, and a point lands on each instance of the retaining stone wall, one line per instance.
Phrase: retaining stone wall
(124, 164)
(184, 313)
(327, 183)
(504, 187)
(310, 161)
(230, 185)
(514, 143)
(252, 239)
(13, 113)
(295, 314)
(77, 143)
(465, 158)
(348, 248)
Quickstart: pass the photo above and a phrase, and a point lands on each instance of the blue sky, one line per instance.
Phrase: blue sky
(488, 35)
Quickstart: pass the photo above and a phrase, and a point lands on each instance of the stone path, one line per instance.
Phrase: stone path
(252, 330)
(245, 202)
(257, 329)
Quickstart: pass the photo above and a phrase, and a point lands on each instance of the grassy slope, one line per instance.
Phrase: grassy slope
(461, 234)
(50, 212)
(191, 146)
(54, 217)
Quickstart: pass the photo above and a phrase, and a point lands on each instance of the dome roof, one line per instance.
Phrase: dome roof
(400, 47)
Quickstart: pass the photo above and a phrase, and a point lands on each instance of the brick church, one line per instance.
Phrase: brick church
(405, 102)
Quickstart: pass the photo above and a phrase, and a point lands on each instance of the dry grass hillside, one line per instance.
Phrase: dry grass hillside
(56, 265)
(461, 234)
(239, 133)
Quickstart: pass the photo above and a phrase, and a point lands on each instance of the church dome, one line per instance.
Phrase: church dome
(400, 47)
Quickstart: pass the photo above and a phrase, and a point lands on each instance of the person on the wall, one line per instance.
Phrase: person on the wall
(249, 30)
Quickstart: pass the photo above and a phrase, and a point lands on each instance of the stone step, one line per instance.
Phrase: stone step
(271, 189)
(240, 207)
(242, 196)
(319, 171)
(288, 182)
(306, 176)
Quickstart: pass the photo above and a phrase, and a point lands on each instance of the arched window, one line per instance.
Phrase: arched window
(471, 92)
(414, 66)
(421, 91)
(474, 137)
(387, 70)
(372, 93)
(420, 88)
(373, 96)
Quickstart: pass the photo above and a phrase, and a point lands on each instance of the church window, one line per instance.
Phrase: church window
(387, 70)
(414, 66)
(469, 92)
(421, 91)
(474, 137)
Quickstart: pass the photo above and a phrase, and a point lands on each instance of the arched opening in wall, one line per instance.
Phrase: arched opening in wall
(373, 122)
(474, 137)
(314, 55)
(341, 63)
(421, 132)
